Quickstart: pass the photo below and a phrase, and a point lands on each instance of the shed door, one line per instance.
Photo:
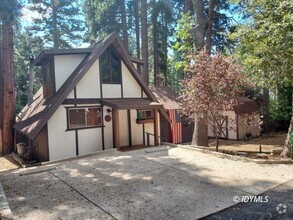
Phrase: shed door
(224, 127)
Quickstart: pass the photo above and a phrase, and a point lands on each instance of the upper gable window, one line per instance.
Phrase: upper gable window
(110, 67)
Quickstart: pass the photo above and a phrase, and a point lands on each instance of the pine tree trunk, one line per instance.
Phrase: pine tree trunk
(155, 45)
(210, 27)
(144, 42)
(137, 29)
(8, 88)
(287, 150)
(266, 102)
(1, 93)
(200, 132)
(54, 25)
(201, 24)
(165, 49)
(137, 32)
(31, 76)
(187, 6)
(124, 25)
(199, 34)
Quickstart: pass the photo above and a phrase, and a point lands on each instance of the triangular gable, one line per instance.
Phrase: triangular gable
(78, 73)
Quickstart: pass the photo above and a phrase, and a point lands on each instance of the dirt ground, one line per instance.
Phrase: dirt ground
(7, 163)
(264, 144)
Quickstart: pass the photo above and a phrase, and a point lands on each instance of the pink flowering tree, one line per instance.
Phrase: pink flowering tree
(211, 87)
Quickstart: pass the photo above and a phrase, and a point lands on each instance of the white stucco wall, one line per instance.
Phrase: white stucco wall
(232, 130)
(89, 85)
(253, 128)
(111, 90)
(89, 140)
(149, 128)
(136, 129)
(61, 142)
(108, 130)
(123, 128)
(131, 88)
(71, 95)
(64, 67)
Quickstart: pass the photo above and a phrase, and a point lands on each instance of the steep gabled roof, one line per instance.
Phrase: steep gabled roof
(32, 125)
(246, 106)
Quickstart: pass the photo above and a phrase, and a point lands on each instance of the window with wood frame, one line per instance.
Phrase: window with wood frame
(145, 116)
(110, 67)
(84, 117)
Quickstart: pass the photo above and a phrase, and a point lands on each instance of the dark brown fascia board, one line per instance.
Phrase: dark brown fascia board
(127, 60)
(123, 106)
(81, 101)
(137, 61)
(46, 53)
(73, 79)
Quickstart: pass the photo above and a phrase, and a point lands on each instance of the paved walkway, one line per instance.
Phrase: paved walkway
(154, 183)
(278, 206)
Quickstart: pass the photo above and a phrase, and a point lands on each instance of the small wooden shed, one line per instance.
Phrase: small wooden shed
(241, 122)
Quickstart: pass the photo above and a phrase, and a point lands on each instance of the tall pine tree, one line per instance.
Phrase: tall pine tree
(59, 22)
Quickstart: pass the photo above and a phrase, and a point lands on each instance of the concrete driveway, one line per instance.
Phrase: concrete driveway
(154, 183)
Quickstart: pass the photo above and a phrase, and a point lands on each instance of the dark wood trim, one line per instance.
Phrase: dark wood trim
(122, 106)
(103, 132)
(156, 129)
(143, 132)
(144, 121)
(129, 127)
(227, 128)
(48, 147)
(74, 94)
(83, 106)
(113, 133)
(81, 101)
(47, 53)
(76, 143)
(116, 128)
(74, 129)
(121, 79)
(137, 61)
(101, 84)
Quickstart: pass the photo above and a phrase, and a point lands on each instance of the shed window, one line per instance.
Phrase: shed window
(110, 67)
(85, 117)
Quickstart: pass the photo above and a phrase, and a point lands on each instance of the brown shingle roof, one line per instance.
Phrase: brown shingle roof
(245, 106)
(37, 115)
(166, 96)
